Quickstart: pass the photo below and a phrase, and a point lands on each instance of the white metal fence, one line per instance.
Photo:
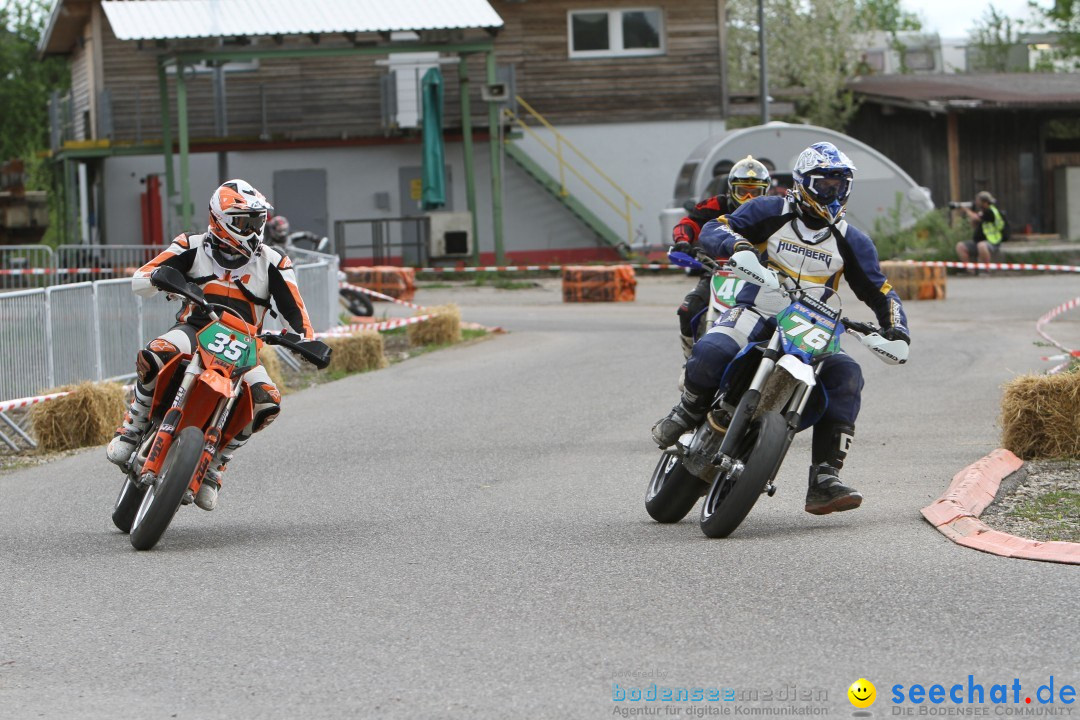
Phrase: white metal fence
(92, 330)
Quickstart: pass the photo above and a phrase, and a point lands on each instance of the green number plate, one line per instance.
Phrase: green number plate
(725, 288)
(228, 345)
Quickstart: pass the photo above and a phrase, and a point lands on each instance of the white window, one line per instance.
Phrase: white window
(611, 33)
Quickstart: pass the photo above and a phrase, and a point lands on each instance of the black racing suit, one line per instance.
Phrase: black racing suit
(687, 230)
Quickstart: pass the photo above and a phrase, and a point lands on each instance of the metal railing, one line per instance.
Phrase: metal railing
(79, 263)
(26, 266)
(92, 330)
(622, 209)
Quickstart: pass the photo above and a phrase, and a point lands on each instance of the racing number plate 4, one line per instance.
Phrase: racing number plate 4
(228, 345)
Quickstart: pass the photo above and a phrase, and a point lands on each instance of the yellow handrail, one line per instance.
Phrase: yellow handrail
(557, 151)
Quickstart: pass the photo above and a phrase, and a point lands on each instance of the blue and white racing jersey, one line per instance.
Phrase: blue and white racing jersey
(815, 256)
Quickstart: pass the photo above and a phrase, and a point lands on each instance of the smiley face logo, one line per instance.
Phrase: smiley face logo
(862, 693)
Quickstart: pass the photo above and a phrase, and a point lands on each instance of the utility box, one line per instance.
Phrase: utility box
(1067, 202)
(450, 234)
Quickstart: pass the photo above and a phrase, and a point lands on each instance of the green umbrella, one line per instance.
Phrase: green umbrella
(433, 176)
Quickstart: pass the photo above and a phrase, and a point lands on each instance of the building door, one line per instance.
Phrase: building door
(300, 195)
(412, 235)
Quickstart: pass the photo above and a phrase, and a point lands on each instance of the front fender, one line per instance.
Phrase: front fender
(218, 383)
(798, 370)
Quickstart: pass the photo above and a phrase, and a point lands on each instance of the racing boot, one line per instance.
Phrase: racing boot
(684, 416)
(130, 434)
(211, 484)
(827, 494)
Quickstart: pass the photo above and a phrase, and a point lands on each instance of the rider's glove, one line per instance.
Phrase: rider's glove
(683, 247)
(896, 332)
(743, 245)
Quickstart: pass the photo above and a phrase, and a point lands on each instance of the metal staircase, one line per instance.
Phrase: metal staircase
(557, 186)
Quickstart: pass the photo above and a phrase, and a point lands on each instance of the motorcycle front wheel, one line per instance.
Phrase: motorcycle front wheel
(162, 500)
(672, 490)
(127, 504)
(731, 497)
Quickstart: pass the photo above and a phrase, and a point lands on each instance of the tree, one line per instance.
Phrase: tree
(993, 38)
(25, 80)
(1063, 18)
(811, 50)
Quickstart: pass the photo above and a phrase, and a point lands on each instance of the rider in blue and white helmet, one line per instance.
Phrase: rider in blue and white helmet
(823, 176)
(805, 235)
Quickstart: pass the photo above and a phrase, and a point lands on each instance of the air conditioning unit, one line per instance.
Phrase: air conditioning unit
(451, 234)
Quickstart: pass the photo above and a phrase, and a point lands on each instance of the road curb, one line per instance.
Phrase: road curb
(956, 514)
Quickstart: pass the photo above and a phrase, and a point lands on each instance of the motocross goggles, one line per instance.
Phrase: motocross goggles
(829, 188)
(247, 223)
(743, 191)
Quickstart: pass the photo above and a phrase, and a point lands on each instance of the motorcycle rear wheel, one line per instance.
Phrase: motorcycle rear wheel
(730, 499)
(161, 501)
(357, 302)
(672, 491)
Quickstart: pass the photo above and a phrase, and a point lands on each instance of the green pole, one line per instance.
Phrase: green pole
(494, 125)
(467, 142)
(182, 131)
(166, 149)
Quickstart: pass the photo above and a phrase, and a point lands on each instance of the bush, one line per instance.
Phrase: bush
(932, 237)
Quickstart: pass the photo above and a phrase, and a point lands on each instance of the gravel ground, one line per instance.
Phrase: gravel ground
(1023, 506)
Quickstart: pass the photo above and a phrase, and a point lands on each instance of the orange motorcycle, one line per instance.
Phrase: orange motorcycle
(200, 403)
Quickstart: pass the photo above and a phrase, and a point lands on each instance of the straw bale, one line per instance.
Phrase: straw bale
(88, 416)
(270, 361)
(1040, 416)
(357, 353)
(442, 329)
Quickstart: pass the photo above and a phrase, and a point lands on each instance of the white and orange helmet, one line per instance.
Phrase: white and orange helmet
(237, 219)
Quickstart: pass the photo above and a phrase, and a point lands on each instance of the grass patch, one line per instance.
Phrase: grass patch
(435, 286)
(1057, 512)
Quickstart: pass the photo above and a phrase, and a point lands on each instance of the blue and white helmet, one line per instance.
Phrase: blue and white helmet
(823, 177)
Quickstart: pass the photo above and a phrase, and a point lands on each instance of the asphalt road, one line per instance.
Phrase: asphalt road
(463, 535)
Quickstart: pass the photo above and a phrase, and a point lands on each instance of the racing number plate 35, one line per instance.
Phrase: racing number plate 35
(228, 345)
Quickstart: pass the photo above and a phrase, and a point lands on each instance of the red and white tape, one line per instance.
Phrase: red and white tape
(378, 326)
(381, 296)
(64, 271)
(1040, 325)
(27, 401)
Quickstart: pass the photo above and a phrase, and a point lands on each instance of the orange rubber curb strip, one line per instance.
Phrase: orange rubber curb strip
(956, 514)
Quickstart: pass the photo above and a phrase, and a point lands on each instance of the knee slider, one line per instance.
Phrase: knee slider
(152, 358)
(266, 404)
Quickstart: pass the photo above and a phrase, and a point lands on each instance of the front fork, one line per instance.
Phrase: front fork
(212, 437)
(170, 425)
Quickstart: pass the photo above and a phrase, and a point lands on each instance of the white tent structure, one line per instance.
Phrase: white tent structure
(880, 185)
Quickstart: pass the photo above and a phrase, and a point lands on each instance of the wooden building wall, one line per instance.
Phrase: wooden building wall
(333, 98)
(1000, 151)
(682, 84)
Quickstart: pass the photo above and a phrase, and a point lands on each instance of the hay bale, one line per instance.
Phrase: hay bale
(357, 353)
(1040, 416)
(271, 362)
(442, 329)
(88, 416)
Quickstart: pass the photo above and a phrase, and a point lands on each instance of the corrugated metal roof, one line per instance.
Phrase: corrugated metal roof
(987, 90)
(174, 19)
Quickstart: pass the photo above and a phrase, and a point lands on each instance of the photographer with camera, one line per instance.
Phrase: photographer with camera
(989, 229)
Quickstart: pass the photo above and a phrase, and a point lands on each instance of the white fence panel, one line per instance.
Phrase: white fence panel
(74, 342)
(24, 343)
